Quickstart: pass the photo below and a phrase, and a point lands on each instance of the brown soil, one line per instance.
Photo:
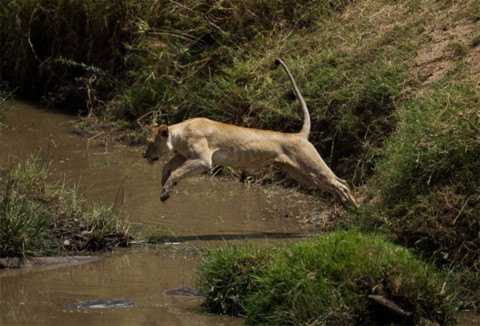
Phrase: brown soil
(442, 46)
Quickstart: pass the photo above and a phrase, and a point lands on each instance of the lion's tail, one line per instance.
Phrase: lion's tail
(306, 116)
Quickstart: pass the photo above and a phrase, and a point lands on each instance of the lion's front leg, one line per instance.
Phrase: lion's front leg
(172, 165)
(189, 167)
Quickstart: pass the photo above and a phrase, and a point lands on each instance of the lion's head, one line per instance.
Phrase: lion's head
(156, 144)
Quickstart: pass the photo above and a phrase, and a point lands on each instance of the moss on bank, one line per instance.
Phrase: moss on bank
(324, 281)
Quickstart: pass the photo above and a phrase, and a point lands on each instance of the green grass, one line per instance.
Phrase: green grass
(38, 219)
(22, 225)
(323, 281)
(426, 190)
(4, 110)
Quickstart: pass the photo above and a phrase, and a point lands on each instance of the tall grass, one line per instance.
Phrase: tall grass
(429, 175)
(37, 219)
(22, 225)
(323, 281)
(36, 35)
(175, 56)
(75, 52)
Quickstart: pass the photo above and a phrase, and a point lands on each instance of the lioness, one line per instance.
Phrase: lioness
(198, 143)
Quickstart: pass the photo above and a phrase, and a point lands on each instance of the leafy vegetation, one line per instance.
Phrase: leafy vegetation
(323, 281)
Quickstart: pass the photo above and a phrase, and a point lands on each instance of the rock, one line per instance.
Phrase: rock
(185, 291)
(102, 304)
(389, 305)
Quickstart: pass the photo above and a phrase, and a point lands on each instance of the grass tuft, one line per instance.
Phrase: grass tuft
(37, 219)
(323, 281)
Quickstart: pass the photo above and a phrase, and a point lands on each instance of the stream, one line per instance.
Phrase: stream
(202, 211)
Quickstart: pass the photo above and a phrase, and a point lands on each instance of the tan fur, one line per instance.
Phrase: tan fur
(200, 143)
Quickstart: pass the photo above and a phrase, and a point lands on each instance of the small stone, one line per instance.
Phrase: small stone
(185, 291)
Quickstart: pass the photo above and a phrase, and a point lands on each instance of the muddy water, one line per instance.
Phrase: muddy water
(202, 208)
(198, 206)
(41, 296)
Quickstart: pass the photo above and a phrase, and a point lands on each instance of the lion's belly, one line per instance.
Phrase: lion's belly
(242, 159)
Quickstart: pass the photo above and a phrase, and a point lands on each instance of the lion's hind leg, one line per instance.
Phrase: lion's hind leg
(341, 190)
(296, 173)
(324, 178)
(315, 173)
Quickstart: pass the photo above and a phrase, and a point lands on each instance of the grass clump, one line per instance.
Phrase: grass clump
(22, 225)
(428, 176)
(229, 276)
(323, 281)
(426, 188)
(37, 219)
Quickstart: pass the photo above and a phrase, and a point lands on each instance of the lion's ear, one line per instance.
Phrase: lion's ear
(163, 130)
